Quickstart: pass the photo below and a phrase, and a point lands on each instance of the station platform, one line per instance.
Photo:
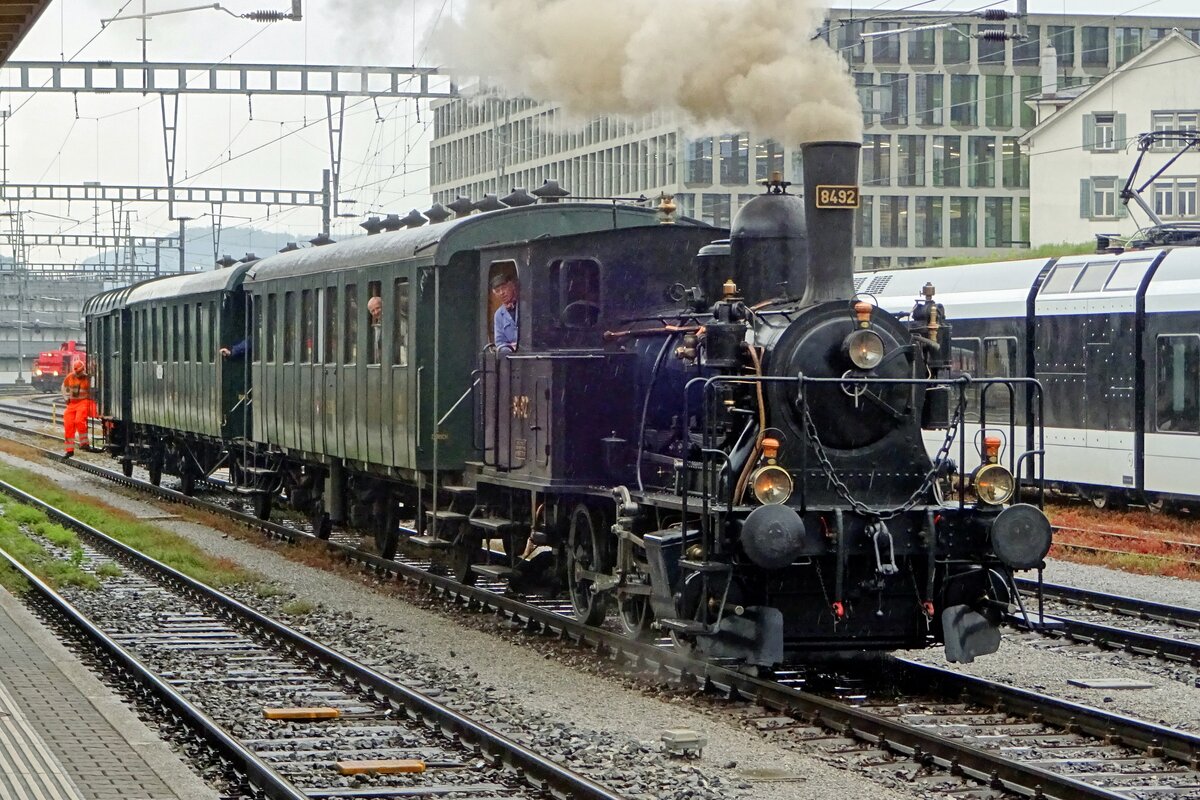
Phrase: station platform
(65, 736)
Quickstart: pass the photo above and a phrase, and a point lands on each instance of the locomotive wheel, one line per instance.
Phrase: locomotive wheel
(1100, 500)
(585, 553)
(636, 615)
(127, 467)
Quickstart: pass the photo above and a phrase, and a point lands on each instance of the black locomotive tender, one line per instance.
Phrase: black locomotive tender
(714, 435)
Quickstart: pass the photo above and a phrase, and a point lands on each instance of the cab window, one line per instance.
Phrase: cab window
(576, 285)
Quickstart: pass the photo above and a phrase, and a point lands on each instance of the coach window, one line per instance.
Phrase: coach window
(257, 330)
(176, 350)
(400, 326)
(272, 340)
(331, 322)
(1128, 275)
(1094, 277)
(289, 328)
(350, 338)
(373, 318)
(308, 326)
(213, 329)
(1062, 279)
(201, 330)
(999, 356)
(1178, 384)
(964, 360)
(576, 285)
(187, 333)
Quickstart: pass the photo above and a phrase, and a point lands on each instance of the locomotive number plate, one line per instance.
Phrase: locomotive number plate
(837, 197)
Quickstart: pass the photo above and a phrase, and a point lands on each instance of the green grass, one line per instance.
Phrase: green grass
(109, 570)
(155, 542)
(1045, 251)
(297, 608)
(55, 571)
(265, 591)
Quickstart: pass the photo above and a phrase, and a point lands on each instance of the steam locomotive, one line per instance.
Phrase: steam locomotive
(709, 431)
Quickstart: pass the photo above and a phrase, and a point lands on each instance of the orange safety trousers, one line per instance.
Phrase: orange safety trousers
(75, 423)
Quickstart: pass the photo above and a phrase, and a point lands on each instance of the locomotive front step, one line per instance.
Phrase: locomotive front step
(431, 542)
(458, 490)
(493, 571)
(495, 525)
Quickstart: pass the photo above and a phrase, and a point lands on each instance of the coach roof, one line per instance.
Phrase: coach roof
(193, 283)
(440, 242)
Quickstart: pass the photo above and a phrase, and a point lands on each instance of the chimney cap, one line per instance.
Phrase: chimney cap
(413, 219)
(437, 213)
(371, 225)
(518, 197)
(462, 206)
(392, 222)
(550, 191)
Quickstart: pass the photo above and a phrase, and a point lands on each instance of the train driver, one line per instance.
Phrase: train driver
(505, 322)
(77, 390)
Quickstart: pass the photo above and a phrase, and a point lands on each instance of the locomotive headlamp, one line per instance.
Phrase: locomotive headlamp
(862, 311)
(770, 448)
(994, 484)
(991, 449)
(772, 485)
(864, 348)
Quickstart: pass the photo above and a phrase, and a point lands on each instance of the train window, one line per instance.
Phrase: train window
(213, 329)
(201, 327)
(175, 350)
(400, 326)
(1127, 275)
(350, 337)
(259, 330)
(1094, 276)
(308, 326)
(1178, 396)
(1062, 279)
(331, 319)
(272, 340)
(374, 321)
(187, 333)
(999, 357)
(289, 327)
(576, 284)
(964, 356)
(152, 333)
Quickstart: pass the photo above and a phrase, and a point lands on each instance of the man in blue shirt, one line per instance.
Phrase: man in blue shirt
(504, 323)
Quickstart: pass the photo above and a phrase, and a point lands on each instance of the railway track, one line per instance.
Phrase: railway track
(943, 727)
(313, 723)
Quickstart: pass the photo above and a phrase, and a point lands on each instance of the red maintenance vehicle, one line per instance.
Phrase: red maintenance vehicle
(50, 367)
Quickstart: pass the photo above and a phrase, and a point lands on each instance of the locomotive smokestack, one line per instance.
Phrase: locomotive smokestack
(831, 199)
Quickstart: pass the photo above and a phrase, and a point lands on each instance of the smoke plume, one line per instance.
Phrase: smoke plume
(719, 64)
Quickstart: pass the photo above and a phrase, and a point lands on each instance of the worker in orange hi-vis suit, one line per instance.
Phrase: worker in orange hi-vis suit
(77, 389)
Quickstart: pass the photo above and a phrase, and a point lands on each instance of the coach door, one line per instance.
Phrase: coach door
(374, 432)
(330, 355)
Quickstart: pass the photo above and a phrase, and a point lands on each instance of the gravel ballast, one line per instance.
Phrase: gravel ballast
(603, 719)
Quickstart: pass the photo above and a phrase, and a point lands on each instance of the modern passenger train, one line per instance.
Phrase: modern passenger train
(1114, 341)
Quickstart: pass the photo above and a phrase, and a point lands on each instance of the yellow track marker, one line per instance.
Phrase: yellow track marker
(302, 714)
(381, 766)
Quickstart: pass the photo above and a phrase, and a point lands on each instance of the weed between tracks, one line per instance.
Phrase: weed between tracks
(155, 542)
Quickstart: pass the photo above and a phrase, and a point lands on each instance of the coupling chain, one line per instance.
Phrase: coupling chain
(843, 490)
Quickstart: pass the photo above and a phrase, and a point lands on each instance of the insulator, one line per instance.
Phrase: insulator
(994, 36)
(266, 16)
(997, 14)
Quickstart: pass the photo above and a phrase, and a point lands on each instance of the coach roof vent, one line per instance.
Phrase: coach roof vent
(371, 225)
(392, 222)
(489, 203)
(320, 240)
(462, 206)
(550, 191)
(437, 213)
(249, 258)
(289, 247)
(226, 261)
(518, 197)
(413, 219)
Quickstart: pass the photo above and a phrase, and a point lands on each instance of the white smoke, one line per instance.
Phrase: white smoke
(719, 64)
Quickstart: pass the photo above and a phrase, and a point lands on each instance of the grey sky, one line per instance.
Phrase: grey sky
(228, 141)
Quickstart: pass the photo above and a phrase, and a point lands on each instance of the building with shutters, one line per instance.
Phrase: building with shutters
(1087, 139)
(944, 168)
